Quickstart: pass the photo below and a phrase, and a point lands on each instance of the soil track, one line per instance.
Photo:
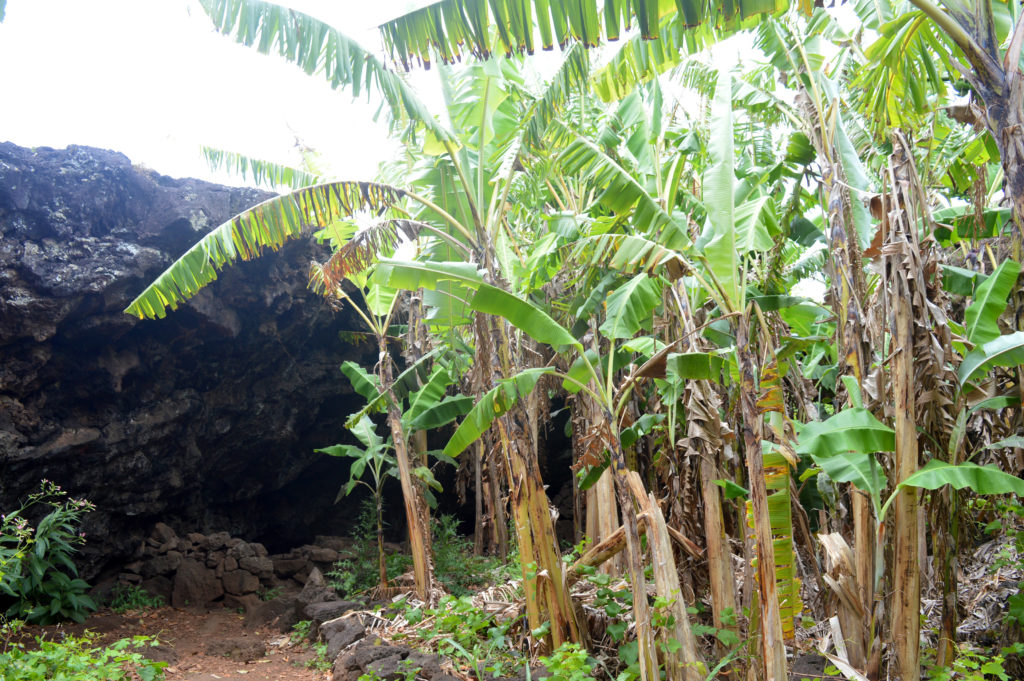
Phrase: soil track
(202, 646)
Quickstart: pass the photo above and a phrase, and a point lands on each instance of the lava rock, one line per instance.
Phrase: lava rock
(318, 613)
(205, 420)
(240, 582)
(194, 586)
(340, 633)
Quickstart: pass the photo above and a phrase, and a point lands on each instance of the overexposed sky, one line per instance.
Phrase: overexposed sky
(153, 80)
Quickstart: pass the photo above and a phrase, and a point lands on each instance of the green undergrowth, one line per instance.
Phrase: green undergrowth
(455, 567)
(131, 598)
(76, 658)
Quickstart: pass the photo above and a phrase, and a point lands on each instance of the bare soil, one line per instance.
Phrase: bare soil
(186, 638)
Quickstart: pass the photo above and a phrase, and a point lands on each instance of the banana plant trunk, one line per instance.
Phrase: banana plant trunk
(417, 515)
(773, 648)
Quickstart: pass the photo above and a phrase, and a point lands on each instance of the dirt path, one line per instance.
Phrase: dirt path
(204, 646)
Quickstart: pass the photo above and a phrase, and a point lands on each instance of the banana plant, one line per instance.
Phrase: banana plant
(374, 456)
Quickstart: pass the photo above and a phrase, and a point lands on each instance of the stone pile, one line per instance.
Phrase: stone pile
(203, 570)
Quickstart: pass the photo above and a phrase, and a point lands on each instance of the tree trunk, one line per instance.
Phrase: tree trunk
(901, 244)
(417, 515)
(773, 648)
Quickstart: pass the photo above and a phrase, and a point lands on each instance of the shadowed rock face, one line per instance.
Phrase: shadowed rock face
(205, 420)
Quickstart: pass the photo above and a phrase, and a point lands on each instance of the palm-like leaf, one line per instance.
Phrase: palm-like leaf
(318, 47)
(265, 173)
(267, 225)
(630, 254)
(449, 27)
(621, 191)
(721, 251)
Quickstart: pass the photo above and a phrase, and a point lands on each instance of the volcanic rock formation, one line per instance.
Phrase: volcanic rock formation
(206, 420)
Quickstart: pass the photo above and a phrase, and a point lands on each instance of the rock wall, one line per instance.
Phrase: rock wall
(206, 420)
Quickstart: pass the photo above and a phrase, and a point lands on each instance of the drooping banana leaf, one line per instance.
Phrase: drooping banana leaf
(629, 254)
(980, 479)
(442, 413)
(694, 365)
(450, 27)
(403, 385)
(621, 191)
(629, 307)
(851, 430)
(262, 172)
(428, 396)
(317, 47)
(485, 298)
(1004, 351)
(492, 405)
(246, 236)
(961, 281)
(982, 315)
(364, 383)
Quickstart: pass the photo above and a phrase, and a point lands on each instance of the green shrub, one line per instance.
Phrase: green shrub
(568, 663)
(456, 567)
(36, 572)
(129, 597)
(359, 572)
(78, 658)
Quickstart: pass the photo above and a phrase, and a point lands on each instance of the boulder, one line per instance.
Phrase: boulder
(194, 586)
(315, 590)
(318, 613)
(240, 582)
(260, 566)
(340, 633)
(279, 614)
(163, 533)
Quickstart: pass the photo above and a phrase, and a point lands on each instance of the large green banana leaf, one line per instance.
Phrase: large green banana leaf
(492, 405)
(979, 479)
(484, 298)
(317, 47)
(721, 251)
(248, 234)
(629, 307)
(982, 315)
(1004, 351)
(449, 27)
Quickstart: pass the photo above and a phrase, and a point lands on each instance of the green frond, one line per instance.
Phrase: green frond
(571, 76)
(264, 173)
(248, 234)
(621, 192)
(451, 27)
(317, 47)
(629, 254)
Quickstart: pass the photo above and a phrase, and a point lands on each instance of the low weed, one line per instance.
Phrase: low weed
(458, 570)
(131, 597)
(79, 658)
(976, 665)
(568, 663)
(319, 660)
(359, 572)
(300, 632)
(461, 631)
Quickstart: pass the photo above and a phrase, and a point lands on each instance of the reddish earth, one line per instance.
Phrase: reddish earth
(186, 639)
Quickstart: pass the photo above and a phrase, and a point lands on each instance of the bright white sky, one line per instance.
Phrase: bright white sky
(152, 79)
